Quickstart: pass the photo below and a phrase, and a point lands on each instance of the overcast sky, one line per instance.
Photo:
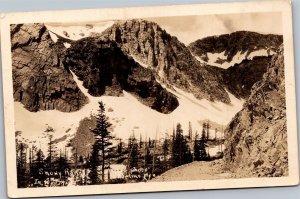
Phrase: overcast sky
(190, 28)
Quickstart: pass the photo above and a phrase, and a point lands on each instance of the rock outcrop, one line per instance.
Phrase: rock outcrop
(256, 138)
(240, 78)
(40, 81)
(106, 70)
(170, 59)
(231, 44)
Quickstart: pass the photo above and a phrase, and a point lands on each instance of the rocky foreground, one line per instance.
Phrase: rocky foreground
(256, 138)
(196, 171)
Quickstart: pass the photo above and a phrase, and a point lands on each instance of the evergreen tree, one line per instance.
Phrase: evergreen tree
(62, 165)
(38, 169)
(52, 154)
(203, 135)
(141, 142)
(22, 175)
(207, 130)
(148, 157)
(94, 162)
(103, 139)
(202, 148)
(120, 148)
(190, 131)
(133, 152)
(165, 151)
(181, 153)
(196, 148)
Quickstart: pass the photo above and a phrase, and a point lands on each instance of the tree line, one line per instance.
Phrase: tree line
(143, 159)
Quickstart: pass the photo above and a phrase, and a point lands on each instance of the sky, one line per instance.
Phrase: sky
(190, 28)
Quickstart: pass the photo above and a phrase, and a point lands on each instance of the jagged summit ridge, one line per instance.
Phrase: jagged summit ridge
(106, 70)
(171, 60)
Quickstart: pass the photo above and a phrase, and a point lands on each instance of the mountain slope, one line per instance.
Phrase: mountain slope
(40, 81)
(256, 138)
(240, 42)
(106, 70)
(171, 60)
(240, 78)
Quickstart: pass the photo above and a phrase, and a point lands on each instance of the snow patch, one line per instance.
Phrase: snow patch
(129, 116)
(139, 62)
(237, 59)
(260, 53)
(67, 45)
(76, 32)
(53, 37)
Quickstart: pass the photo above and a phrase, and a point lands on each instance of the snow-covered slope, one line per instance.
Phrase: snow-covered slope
(126, 114)
(219, 59)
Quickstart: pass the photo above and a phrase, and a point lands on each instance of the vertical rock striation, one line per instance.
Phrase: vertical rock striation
(256, 138)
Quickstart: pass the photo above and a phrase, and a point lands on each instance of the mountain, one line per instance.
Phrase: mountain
(239, 78)
(40, 80)
(106, 70)
(172, 61)
(256, 138)
(237, 43)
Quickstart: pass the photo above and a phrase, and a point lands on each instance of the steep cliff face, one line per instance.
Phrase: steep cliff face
(256, 138)
(106, 70)
(40, 81)
(170, 59)
(240, 78)
(241, 41)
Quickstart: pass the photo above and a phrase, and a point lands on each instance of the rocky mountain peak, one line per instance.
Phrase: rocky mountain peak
(39, 79)
(170, 59)
(236, 42)
(106, 70)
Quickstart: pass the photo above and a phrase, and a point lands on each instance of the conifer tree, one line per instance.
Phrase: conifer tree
(120, 148)
(94, 162)
(61, 166)
(165, 152)
(196, 148)
(203, 135)
(22, 177)
(190, 131)
(148, 156)
(207, 130)
(133, 152)
(181, 153)
(202, 146)
(38, 168)
(103, 137)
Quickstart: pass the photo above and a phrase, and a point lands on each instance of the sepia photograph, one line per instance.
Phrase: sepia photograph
(149, 100)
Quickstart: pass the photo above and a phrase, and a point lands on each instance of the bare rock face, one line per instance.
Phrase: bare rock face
(256, 138)
(231, 44)
(240, 78)
(106, 70)
(171, 60)
(40, 81)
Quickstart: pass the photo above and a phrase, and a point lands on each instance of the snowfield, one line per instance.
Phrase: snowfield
(237, 59)
(126, 114)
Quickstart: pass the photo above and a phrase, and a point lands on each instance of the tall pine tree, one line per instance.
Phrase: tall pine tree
(103, 138)
(22, 174)
(196, 148)
(133, 152)
(181, 153)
